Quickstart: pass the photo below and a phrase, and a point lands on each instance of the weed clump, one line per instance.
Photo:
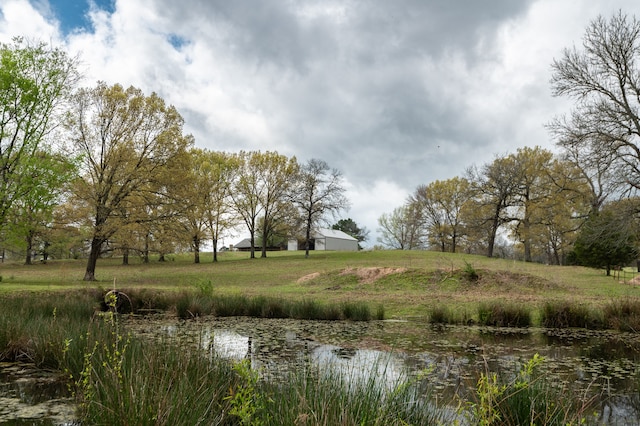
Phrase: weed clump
(568, 315)
(623, 315)
(503, 315)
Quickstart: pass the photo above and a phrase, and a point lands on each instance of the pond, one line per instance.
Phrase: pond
(604, 364)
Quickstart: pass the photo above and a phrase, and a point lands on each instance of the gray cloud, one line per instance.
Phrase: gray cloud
(393, 93)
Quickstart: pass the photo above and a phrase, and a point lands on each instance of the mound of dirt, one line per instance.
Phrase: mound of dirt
(370, 275)
(308, 277)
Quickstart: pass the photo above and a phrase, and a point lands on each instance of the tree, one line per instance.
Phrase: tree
(132, 147)
(219, 169)
(402, 228)
(35, 82)
(609, 237)
(494, 188)
(442, 205)
(46, 177)
(246, 193)
(350, 227)
(603, 78)
(319, 191)
(277, 175)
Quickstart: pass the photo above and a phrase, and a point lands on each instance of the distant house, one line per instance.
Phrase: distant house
(328, 239)
(245, 245)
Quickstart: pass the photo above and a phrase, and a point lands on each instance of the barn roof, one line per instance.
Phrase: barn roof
(333, 233)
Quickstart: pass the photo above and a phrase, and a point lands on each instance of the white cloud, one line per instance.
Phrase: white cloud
(394, 94)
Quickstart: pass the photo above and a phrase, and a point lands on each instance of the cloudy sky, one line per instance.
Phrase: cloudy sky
(392, 93)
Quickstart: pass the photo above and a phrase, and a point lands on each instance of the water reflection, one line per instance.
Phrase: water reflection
(599, 363)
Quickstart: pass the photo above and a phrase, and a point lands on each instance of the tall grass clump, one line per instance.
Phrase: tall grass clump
(45, 330)
(525, 398)
(623, 315)
(503, 315)
(568, 315)
(131, 381)
(441, 315)
(327, 395)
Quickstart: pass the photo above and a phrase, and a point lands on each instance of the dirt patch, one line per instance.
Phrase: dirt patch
(308, 277)
(370, 275)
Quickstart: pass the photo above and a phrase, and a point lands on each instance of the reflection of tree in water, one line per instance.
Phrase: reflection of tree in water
(345, 353)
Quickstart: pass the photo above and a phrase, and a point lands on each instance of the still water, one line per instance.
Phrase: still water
(600, 364)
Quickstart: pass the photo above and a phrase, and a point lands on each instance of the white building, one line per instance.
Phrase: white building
(329, 239)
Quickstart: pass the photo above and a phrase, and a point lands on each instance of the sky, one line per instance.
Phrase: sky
(394, 94)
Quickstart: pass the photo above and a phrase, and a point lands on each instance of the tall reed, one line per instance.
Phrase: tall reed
(566, 315)
(502, 314)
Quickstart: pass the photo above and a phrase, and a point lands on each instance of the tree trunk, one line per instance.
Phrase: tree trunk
(196, 249)
(308, 238)
(29, 241)
(125, 256)
(96, 245)
(252, 241)
(215, 250)
(145, 253)
(526, 225)
(492, 233)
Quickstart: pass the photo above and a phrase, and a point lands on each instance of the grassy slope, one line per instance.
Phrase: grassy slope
(418, 279)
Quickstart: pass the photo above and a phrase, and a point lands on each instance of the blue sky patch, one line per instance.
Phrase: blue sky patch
(72, 14)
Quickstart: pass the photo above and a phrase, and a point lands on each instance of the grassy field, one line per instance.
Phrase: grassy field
(406, 283)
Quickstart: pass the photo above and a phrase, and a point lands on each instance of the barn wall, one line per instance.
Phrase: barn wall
(341, 245)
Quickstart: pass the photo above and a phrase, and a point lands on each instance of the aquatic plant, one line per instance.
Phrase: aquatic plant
(623, 315)
(524, 398)
(566, 314)
(502, 314)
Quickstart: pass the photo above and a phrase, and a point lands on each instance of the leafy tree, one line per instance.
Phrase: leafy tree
(533, 188)
(350, 227)
(442, 205)
(132, 147)
(35, 81)
(319, 191)
(603, 78)
(277, 174)
(609, 237)
(402, 228)
(219, 169)
(246, 194)
(494, 188)
(46, 177)
(560, 213)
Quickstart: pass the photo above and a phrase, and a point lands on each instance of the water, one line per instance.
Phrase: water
(595, 364)
(29, 396)
(600, 364)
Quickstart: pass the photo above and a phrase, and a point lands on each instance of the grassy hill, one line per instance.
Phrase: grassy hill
(406, 283)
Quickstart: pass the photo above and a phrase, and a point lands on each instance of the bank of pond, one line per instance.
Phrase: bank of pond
(148, 357)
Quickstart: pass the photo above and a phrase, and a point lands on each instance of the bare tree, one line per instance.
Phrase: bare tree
(403, 228)
(319, 192)
(603, 78)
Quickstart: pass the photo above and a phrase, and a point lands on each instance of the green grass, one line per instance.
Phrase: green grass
(406, 283)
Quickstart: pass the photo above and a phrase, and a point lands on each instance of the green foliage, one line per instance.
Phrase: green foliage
(247, 404)
(608, 238)
(526, 398)
(350, 227)
(470, 272)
